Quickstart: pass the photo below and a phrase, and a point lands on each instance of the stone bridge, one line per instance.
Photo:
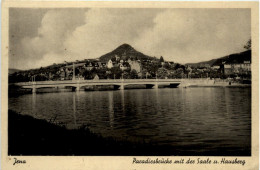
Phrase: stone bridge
(120, 83)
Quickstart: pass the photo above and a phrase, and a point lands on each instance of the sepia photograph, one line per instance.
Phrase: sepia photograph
(131, 81)
(130, 85)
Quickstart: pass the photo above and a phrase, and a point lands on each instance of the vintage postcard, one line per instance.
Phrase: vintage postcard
(130, 85)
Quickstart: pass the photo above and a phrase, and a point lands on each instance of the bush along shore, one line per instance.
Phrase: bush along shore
(30, 136)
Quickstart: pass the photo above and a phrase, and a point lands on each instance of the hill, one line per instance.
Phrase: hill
(204, 63)
(239, 57)
(232, 58)
(125, 51)
(12, 70)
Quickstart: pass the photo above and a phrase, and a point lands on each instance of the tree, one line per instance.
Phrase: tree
(248, 45)
(76, 71)
(167, 66)
(133, 74)
(144, 72)
(179, 73)
(152, 68)
(102, 73)
(161, 59)
(162, 73)
(88, 74)
(176, 66)
(116, 73)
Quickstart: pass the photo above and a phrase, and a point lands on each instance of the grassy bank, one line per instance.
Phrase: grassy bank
(30, 136)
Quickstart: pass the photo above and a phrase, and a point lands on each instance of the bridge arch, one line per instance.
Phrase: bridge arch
(100, 86)
(56, 88)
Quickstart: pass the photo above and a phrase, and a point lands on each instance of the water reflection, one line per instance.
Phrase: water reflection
(227, 101)
(111, 108)
(215, 117)
(157, 98)
(75, 108)
(34, 104)
(123, 101)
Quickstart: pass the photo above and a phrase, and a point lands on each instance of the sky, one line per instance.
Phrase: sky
(41, 37)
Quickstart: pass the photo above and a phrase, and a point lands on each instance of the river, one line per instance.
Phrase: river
(211, 117)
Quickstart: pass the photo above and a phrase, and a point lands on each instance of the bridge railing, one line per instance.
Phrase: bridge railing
(98, 81)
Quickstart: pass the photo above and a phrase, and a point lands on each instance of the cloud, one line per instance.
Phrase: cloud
(180, 35)
(192, 35)
(105, 29)
(56, 27)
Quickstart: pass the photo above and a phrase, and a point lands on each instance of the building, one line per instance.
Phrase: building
(89, 66)
(117, 57)
(110, 64)
(204, 65)
(123, 66)
(96, 65)
(243, 67)
(215, 67)
(134, 65)
(96, 77)
(62, 74)
(100, 65)
(79, 66)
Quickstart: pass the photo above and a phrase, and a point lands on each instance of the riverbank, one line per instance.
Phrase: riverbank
(30, 136)
(213, 83)
(218, 85)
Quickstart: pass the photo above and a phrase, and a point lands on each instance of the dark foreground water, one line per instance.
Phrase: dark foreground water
(211, 118)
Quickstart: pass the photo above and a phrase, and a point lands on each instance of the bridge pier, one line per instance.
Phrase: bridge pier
(122, 87)
(33, 87)
(155, 86)
(34, 90)
(78, 87)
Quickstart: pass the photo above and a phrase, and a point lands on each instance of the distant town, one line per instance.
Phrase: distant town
(126, 63)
